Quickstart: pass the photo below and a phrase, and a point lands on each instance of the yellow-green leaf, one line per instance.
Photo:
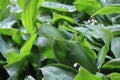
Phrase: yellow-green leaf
(28, 45)
(110, 9)
(29, 15)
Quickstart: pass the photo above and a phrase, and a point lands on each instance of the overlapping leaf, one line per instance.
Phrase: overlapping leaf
(59, 7)
(58, 71)
(86, 75)
(70, 53)
(112, 64)
(108, 10)
(115, 46)
(29, 15)
(87, 6)
(114, 76)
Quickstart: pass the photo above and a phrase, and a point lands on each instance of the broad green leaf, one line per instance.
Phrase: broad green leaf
(86, 75)
(93, 34)
(8, 31)
(58, 6)
(71, 52)
(112, 64)
(115, 29)
(45, 41)
(107, 37)
(101, 56)
(12, 57)
(4, 14)
(115, 46)
(3, 6)
(45, 46)
(110, 9)
(16, 63)
(3, 46)
(4, 10)
(114, 76)
(96, 32)
(57, 17)
(58, 72)
(50, 31)
(26, 48)
(17, 37)
(67, 27)
(21, 3)
(67, 30)
(39, 4)
(15, 68)
(87, 6)
(90, 31)
(29, 15)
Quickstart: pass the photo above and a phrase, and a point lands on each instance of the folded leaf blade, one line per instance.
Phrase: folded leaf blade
(29, 15)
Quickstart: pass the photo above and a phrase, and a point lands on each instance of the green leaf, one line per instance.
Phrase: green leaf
(58, 6)
(115, 46)
(40, 3)
(3, 46)
(4, 13)
(11, 57)
(3, 6)
(86, 75)
(47, 34)
(50, 31)
(115, 29)
(112, 64)
(71, 52)
(8, 31)
(15, 67)
(114, 76)
(21, 3)
(26, 48)
(16, 63)
(29, 15)
(87, 6)
(107, 37)
(66, 26)
(110, 9)
(97, 33)
(57, 17)
(101, 56)
(58, 72)
(45, 46)
(90, 31)
(17, 37)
